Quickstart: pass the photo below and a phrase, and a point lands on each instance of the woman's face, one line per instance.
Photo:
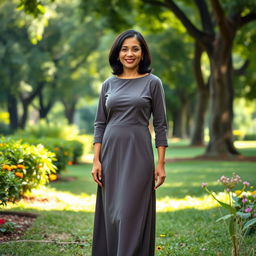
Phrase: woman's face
(130, 53)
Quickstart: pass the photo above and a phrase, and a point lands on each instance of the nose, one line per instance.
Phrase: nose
(129, 53)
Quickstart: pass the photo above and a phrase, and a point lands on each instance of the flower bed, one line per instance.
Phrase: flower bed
(22, 168)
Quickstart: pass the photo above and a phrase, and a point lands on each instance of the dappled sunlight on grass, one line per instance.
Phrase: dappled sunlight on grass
(48, 199)
(191, 184)
(168, 204)
(51, 199)
(245, 144)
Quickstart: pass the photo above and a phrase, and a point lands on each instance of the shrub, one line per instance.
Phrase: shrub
(10, 185)
(32, 164)
(50, 130)
(66, 152)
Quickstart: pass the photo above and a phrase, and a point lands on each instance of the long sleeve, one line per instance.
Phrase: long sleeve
(159, 114)
(100, 121)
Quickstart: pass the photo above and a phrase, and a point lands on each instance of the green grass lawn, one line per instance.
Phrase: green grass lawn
(185, 214)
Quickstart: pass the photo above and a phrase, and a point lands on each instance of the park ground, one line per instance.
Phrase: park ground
(186, 215)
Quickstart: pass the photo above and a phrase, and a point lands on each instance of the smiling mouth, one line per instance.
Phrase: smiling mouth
(130, 60)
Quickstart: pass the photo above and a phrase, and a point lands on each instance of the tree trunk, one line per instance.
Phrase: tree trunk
(26, 101)
(70, 109)
(24, 117)
(201, 109)
(44, 109)
(221, 105)
(12, 106)
(176, 132)
(183, 119)
(180, 120)
(197, 138)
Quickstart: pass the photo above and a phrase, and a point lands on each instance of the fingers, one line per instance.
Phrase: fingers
(97, 176)
(160, 181)
(155, 176)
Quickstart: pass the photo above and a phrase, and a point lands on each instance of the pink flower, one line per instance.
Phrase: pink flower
(2, 221)
(246, 183)
(244, 200)
(248, 210)
(204, 184)
(230, 182)
(254, 215)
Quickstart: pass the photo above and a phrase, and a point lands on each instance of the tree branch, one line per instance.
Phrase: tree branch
(197, 67)
(221, 19)
(192, 30)
(206, 19)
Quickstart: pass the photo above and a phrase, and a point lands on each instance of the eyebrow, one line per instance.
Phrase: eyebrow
(136, 45)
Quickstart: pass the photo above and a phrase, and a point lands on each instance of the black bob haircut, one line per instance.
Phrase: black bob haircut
(117, 67)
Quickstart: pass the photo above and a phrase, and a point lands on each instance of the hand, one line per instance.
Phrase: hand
(97, 172)
(159, 175)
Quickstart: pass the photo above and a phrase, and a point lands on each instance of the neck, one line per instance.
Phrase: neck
(130, 73)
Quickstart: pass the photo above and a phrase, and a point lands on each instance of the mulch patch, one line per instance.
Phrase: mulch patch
(238, 158)
(23, 220)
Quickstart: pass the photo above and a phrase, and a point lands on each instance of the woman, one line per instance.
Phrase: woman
(123, 164)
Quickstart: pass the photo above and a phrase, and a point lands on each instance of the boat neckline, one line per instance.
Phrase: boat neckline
(133, 78)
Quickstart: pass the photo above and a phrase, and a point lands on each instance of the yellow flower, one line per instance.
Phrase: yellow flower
(13, 167)
(21, 166)
(238, 192)
(56, 148)
(19, 174)
(52, 177)
(5, 166)
(254, 192)
(162, 235)
(159, 248)
(65, 153)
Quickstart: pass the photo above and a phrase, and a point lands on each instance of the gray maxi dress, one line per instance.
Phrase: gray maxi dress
(124, 221)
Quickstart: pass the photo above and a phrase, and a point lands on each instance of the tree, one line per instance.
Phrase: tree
(52, 69)
(218, 45)
(220, 23)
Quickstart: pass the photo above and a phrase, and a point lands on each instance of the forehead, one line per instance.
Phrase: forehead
(131, 41)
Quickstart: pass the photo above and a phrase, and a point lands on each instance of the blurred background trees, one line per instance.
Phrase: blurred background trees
(53, 57)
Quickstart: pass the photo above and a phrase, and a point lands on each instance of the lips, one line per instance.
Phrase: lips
(129, 60)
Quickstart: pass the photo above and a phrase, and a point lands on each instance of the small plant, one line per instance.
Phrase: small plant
(241, 206)
(7, 226)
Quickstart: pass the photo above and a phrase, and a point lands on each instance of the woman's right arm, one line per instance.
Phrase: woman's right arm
(99, 129)
(96, 168)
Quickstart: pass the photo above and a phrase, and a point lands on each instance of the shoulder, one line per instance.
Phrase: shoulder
(155, 82)
(155, 78)
(107, 82)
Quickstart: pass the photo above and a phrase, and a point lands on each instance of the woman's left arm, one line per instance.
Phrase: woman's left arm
(161, 127)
